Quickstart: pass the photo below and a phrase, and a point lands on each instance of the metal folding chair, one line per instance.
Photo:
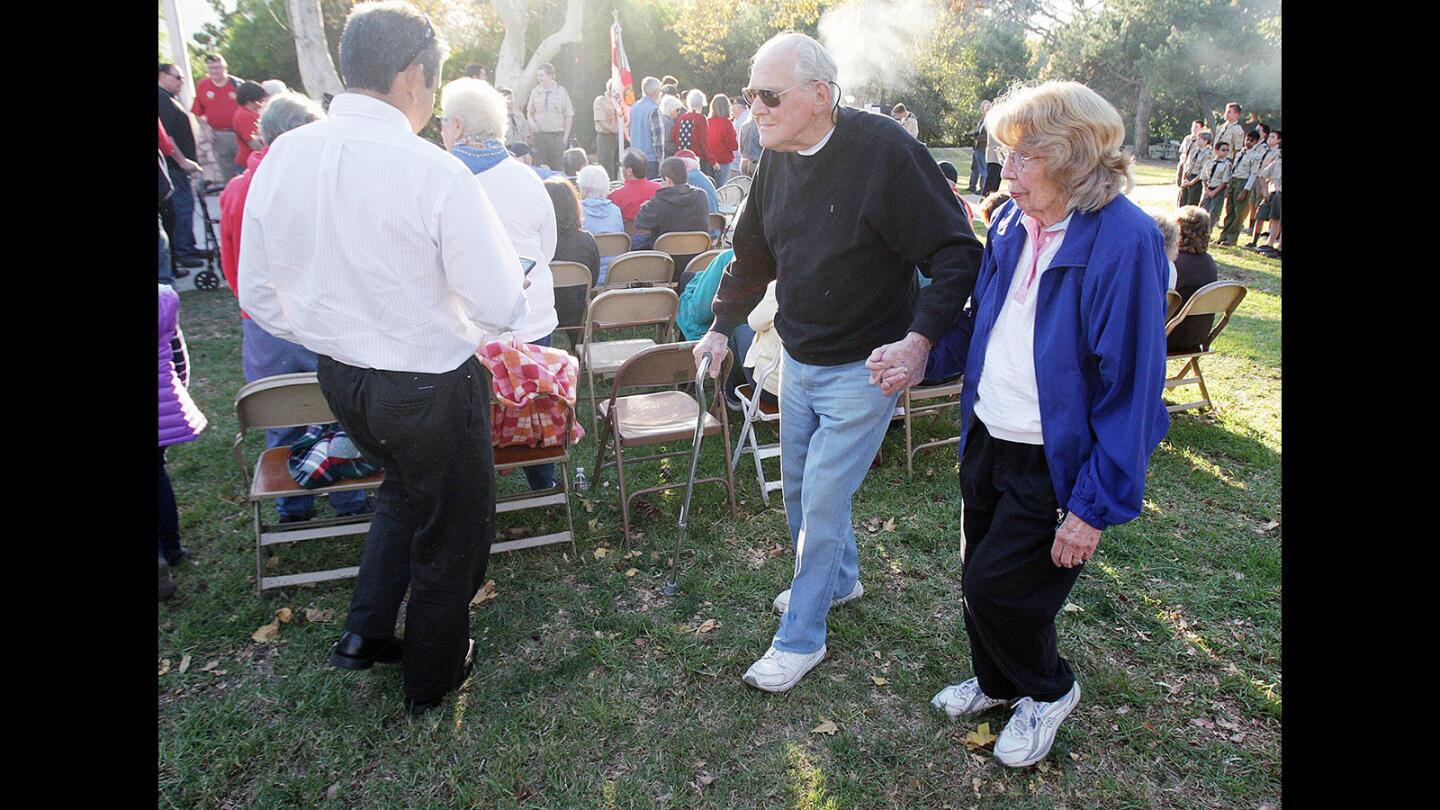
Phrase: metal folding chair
(1215, 298)
(948, 396)
(612, 244)
(638, 268)
(571, 276)
(622, 309)
(754, 411)
(284, 401)
(659, 417)
(518, 456)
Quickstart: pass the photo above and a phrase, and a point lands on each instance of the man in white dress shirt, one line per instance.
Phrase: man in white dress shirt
(380, 252)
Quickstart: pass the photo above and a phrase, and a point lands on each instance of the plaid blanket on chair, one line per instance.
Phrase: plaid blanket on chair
(527, 382)
(325, 456)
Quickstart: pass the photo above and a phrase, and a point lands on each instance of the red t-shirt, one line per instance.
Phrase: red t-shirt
(247, 123)
(217, 104)
(632, 195)
(232, 213)
(722, 141)
(166, 145)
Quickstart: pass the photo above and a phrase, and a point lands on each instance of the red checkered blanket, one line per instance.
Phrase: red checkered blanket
(528, 383)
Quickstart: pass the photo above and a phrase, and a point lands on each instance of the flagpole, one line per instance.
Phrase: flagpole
(616, 100)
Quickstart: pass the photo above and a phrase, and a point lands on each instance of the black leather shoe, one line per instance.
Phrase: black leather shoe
(357, 652)
(190, 261)
(419, 707)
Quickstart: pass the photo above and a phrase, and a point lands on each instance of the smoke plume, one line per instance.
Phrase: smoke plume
(876, 43)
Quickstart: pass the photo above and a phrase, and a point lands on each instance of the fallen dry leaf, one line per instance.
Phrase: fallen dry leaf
(485, 594)
(632, 572)
(707, 625)
(589, 506)
(878, 681)
(601, 551)
(1202, 722)
(164, 666)
(889, 525)
(704, 779)
(184, 663)
(284, 615)
(266, 633)
(825, 727)
(319, 616)
(1272, 525)
(1225, 724)
(1071, 607)
(593, 524)
(211, 664)
(331, 791)
(980, 737)
(975, 785)
(634, 552)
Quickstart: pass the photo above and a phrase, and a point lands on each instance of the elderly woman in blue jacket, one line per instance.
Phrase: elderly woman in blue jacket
(1061, 408)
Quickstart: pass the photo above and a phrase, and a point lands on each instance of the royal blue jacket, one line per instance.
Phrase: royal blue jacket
(1099, 352)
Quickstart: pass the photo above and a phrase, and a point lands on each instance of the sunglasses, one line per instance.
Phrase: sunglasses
(770, 98)
(427, 39)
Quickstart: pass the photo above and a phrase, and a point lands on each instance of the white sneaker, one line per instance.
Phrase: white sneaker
(1031, 731)
(782, 602)
(964, 698)
(777, 670)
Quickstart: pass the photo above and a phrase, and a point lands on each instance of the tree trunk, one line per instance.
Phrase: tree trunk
(513, 70)
(1143, 102)
(317, 70)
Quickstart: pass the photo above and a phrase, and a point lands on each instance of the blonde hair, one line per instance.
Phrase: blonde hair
(1171, 231)
(479, 107)
(1078, 132)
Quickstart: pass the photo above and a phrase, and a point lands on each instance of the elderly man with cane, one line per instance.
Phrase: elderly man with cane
(843, 208)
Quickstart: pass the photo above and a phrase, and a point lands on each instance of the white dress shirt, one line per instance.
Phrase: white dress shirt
(368, 244)
(1008, 399)
(528, 215)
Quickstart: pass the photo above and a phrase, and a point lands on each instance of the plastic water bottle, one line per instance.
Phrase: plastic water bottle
(582, 484)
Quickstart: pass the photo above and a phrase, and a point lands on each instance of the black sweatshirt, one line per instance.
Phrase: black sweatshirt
(841, 232)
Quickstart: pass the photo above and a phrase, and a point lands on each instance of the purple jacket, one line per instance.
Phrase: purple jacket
(180, 420)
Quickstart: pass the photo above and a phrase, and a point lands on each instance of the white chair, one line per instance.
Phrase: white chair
(755, 410)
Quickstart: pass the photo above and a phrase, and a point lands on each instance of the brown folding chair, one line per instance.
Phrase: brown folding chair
(938, 398)
(660, 417)
(1215, 298)
(741, 180)
(701, 261)
(514, 457)
(623, 309)
(573, 276)
(637, 268)
(683, 243)
(1172, 304)
(612, 244)
(284, 401)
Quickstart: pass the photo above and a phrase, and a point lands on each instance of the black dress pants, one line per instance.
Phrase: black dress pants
(992, 185)
(434, 515)
(1013, 590)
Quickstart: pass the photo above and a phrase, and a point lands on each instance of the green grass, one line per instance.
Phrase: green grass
(589, 693)
(1147, 172)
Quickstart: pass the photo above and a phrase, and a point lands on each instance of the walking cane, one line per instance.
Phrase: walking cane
(694, 462)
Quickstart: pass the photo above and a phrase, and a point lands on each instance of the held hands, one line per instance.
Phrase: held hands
(1075, 542)
(899, 365)
(717, 346)
(190, 166)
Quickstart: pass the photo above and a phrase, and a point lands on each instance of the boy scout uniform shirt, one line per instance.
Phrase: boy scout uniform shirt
(1270, 173)
(1198, 158)
(1248, 162)
(549, 108)
(1233, 134)
(1216, 172)
(1186, 147)
(606, 119)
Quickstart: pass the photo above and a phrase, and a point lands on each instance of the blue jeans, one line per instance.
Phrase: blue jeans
(167, 270)
(182, 202)
(977, 169)
(834, 421)
(265, 355)
(722, 174)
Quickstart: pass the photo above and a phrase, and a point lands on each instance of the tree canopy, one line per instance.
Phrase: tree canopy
(1160, 62)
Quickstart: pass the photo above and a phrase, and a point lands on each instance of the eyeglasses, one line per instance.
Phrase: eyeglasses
(770, 98)
(1019, 160)
(426, 39)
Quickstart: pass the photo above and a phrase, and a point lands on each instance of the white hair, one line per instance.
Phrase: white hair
(593, 181)
(286, 111)
(695, 100)
(479, 107)
(669, 106)
(811, 62)
(649, 85)
(273, 87)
